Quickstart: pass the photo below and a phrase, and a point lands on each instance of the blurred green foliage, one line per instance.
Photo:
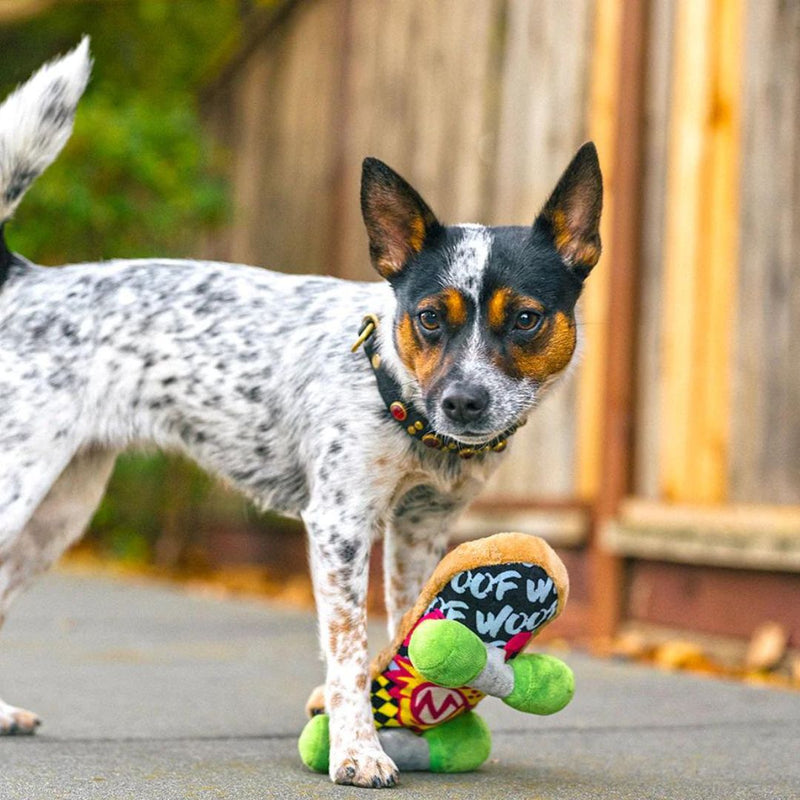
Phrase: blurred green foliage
(133, 182)
(138, 178)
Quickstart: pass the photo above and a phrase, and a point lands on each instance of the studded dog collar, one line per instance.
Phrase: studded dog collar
(407, 417)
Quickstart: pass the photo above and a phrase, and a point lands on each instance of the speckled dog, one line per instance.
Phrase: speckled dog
(252, 375)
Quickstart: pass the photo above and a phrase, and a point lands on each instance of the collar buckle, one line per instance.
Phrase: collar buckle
(368, 327)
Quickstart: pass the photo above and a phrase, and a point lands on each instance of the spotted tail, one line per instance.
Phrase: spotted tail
(35, 123)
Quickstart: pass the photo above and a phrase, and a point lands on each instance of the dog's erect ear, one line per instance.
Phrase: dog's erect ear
(572, 214)
(398, 220)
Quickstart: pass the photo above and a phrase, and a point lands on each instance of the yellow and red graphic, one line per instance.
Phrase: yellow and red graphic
(402, 697)
(421, 704)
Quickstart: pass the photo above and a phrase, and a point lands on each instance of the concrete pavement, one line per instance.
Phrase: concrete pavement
(149, 692)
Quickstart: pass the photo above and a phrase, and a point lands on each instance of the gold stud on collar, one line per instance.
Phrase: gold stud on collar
(432, 440)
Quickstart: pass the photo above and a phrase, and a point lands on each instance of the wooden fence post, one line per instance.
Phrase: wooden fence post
(621, 262)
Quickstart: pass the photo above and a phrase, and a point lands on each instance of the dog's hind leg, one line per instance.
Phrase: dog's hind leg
(57, 522)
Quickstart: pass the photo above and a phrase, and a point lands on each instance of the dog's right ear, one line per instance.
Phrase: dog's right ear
(398, 220)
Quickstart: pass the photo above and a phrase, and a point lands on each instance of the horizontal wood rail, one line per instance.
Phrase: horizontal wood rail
(744, 536)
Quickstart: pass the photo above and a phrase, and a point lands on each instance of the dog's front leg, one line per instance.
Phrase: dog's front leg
(339, 548)
(414, 543)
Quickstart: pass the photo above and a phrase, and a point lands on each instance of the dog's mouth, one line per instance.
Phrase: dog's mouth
(474, 433)
(478, 437)
(471, 437)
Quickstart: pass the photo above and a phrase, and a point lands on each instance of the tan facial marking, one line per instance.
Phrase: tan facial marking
(408, 345)
(504, 303)
(496, 309)
(422, 359)
(549, 352)
(455, 306)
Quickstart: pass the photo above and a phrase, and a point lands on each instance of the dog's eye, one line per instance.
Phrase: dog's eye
(527, 320)
(429, 320)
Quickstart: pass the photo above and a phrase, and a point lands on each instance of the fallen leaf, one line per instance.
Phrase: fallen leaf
(680, 654)
(767, 647)
(630, 645)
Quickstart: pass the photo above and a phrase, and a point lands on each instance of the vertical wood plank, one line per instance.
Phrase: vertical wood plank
(690, 99)
(542, 118)
(648, 422)
(701, 249)
(765, 450)
(603, 105)
(720, 239)
(417, 102)
(248, 159)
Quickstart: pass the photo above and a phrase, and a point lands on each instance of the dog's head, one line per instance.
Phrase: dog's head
(485, 316)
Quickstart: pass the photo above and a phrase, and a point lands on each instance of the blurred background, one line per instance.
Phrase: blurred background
(666, 468)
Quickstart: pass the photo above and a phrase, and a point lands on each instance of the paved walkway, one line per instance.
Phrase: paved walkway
(147, 692)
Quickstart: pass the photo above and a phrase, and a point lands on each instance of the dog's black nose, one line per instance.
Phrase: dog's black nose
(464, 402)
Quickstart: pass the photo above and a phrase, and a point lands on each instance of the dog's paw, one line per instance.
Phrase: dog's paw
(17, 721)
(372, 769)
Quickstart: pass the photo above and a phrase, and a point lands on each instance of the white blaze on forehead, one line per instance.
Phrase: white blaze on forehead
(468, 260)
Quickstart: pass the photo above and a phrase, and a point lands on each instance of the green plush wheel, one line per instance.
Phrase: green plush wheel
(460, 745)
(314, 744)
(446, 652)
(542, 684)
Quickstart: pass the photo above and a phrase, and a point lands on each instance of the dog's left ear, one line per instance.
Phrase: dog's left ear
(398, 220)
(572, 214)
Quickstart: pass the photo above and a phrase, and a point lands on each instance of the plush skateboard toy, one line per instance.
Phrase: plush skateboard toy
(461, 641)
